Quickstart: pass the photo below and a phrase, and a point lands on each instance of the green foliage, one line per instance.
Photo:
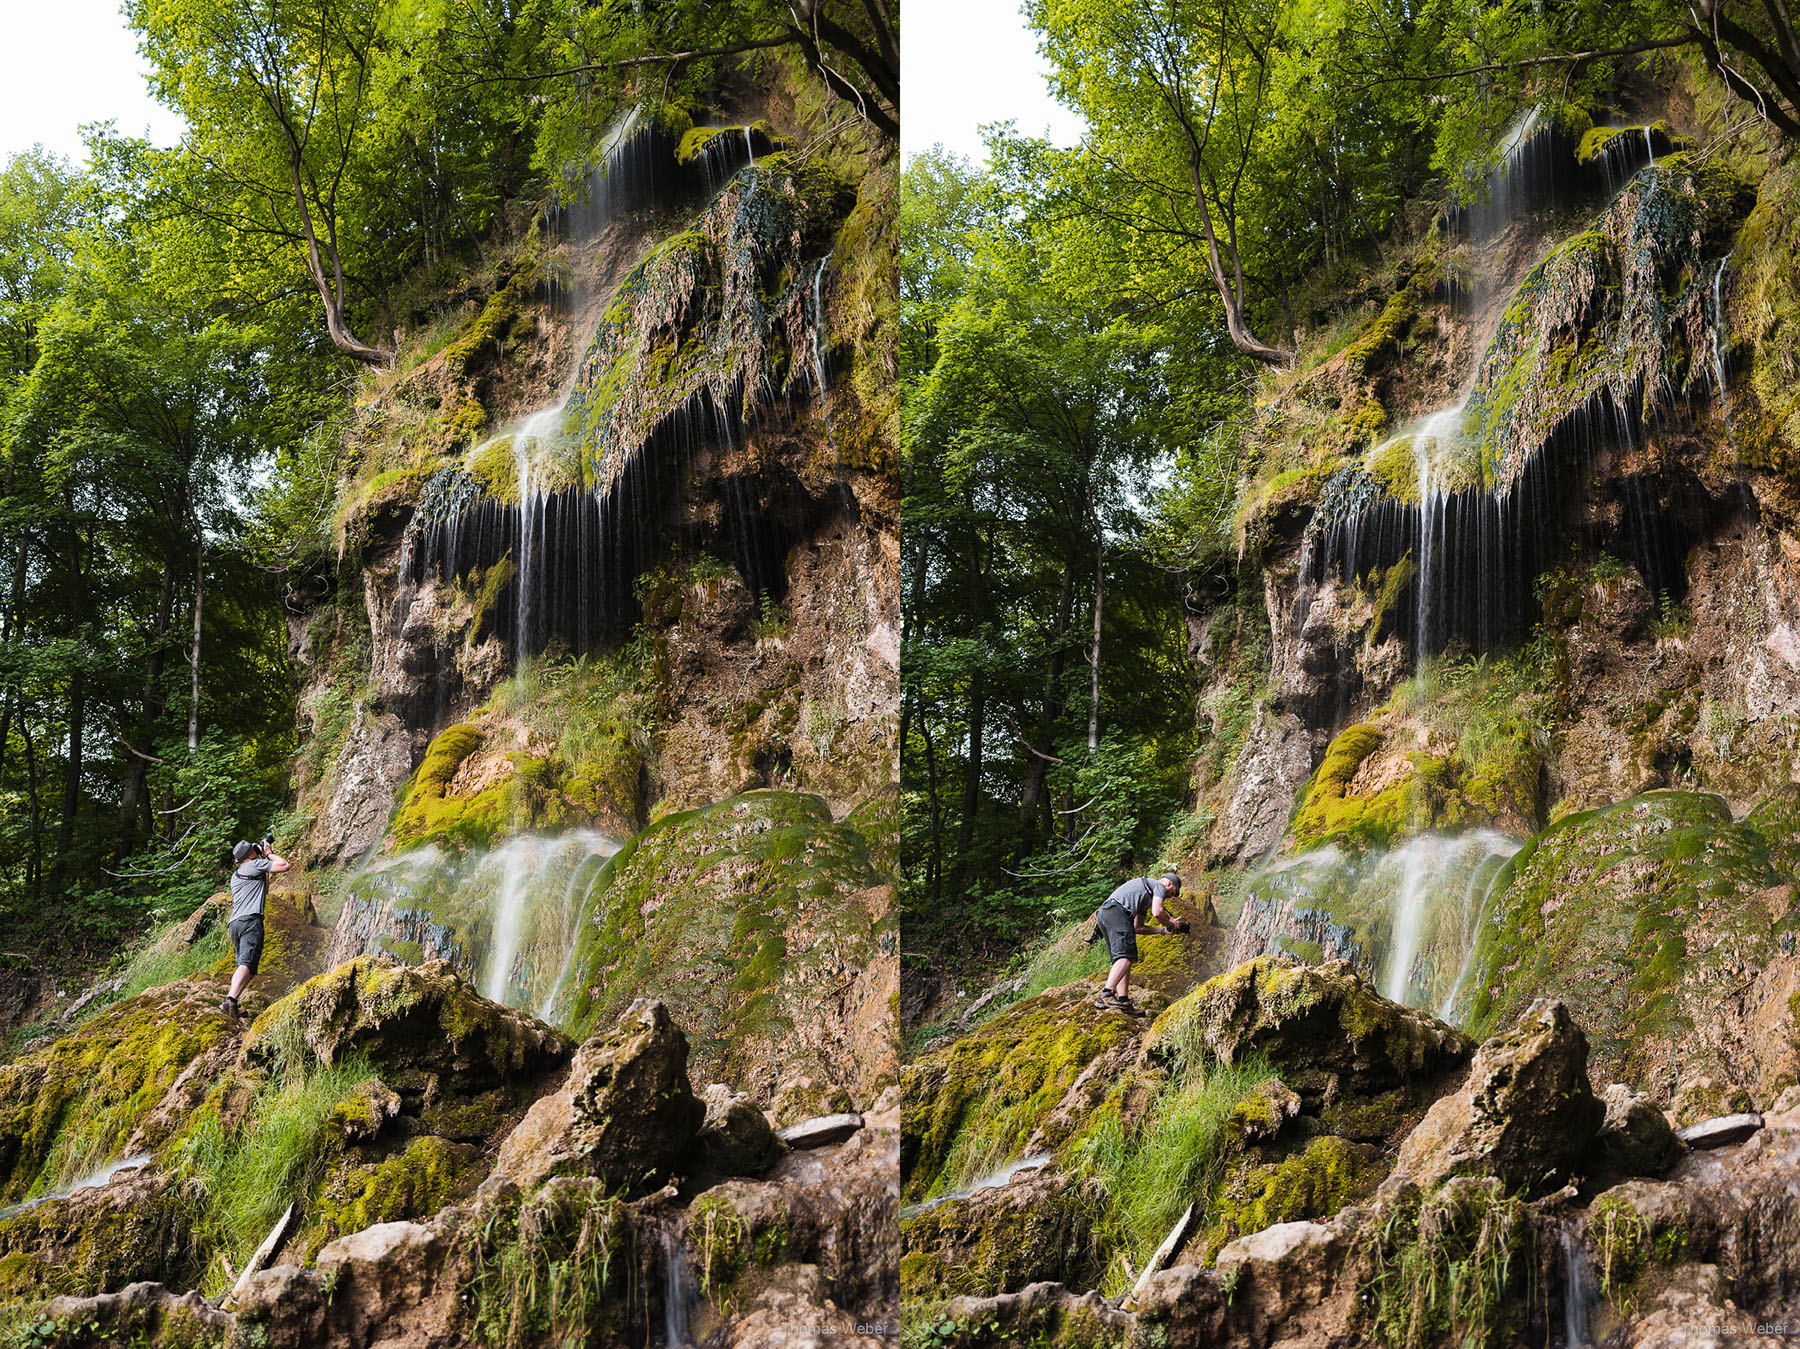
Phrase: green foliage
(1448, 1270)
(555, 1269)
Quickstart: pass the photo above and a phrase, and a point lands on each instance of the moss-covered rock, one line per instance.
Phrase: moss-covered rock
(459, 1061)
(717, 315)
(100, 1239)
(974, 1103)
(1648, 918)
(1324, 1029)
(999, 1240)
(1312, 1179)
(764, 925)
(1618, 313)
(71, 1105)
(414, 1179)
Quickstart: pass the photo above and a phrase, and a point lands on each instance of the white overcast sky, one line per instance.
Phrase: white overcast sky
(67, 62)
(964, 63)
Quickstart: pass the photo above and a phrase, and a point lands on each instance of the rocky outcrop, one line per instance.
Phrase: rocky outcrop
(625, 1114)
(1525, 1115)
(767, 928)
(1323, 1025)
(1664, 926)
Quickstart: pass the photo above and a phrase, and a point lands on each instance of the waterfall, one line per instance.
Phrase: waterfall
(507, 917)
(1406, 917)
(678, 1292)
(1719, 330)
(1578, 1291)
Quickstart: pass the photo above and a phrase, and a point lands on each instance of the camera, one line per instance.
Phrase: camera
(268, 839)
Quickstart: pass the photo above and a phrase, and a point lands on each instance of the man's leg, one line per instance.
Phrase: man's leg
(1125, 980)
(1120, 977)
(238, 981)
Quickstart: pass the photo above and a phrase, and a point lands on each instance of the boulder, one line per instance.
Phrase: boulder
(735, 1137)
(411, 1018)
(1635, 1137)
(626, 1112)
(1526, 1114)
(1325, 1026)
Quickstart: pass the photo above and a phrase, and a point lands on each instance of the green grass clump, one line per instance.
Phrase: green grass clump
(274, 1157)
(1176, 1157)
(552, 1271)
(1447, 1271)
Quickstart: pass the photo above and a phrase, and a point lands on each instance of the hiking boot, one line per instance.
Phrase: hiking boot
(230, 1008)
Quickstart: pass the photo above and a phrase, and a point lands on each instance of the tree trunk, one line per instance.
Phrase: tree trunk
(131, 799)
(971, 801)
(1032, 798)
(1094, 652)
(194, 654)
(71, 802)
(935, 871)
(341, 336)
(34, 872)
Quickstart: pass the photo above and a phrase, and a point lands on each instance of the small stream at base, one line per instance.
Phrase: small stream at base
(993, 1180)
(678, 1292)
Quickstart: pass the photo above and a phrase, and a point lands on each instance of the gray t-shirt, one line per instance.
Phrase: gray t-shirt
(249, 883)
(1134, 896)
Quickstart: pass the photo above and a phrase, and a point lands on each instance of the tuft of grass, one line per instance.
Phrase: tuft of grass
(553, 1271)
(1176, 1157)
(1446, 1271)
(275, 1157)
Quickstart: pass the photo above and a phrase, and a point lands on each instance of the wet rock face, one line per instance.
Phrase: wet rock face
(625, 1114)
(1526, 1114)
(1665, 927)
(735, 1138)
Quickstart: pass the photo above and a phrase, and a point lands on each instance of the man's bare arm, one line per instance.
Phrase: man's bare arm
(278, 863)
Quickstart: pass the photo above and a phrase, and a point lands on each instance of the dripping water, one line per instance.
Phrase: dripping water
(678, 1292)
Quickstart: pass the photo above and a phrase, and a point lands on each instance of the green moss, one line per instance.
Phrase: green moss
(69, 1106)
(737, 915)
(415, 1181)
(481, 341)
(1449, 1270)
(90, 1247)
(1384, 339)
(1328, 812)
(1313, 1182)
(1637, 915)
(972, 1104)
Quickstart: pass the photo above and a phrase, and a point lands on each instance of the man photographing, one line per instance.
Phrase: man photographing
(1120, 919)
(253, 864)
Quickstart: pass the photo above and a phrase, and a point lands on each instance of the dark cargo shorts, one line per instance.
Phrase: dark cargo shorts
(247, 940)
(1120, 932)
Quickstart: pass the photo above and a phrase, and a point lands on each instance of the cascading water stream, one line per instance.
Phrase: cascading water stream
(506, 917)
(678, 1292)
(1406, 917)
